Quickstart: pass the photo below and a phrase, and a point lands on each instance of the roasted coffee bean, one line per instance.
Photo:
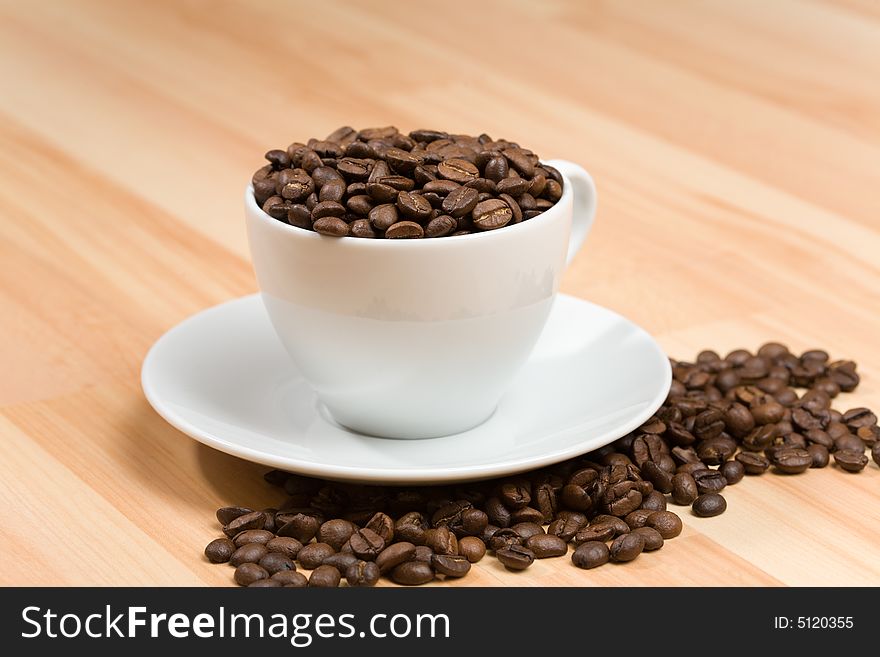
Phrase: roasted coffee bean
(253, 520)
(290, 579)
(593, 533)
(661, 480)
(411, 527)
(665, 522)
(618, 525)
(851, 460)
(460, 201)
(450, 565)
(819, 455)
(253, 536)
(335, 532)
(684, 489)
(325, 577)
(709, 505)
(287, 546)
(301, 526)
(733, 472)
(848, 442)
(655, 501)
(441, 226)
(413, 573)
(875, 452)
(546, 545)
(496, 511)
(652, 538)
(591, 554)
(404, 230)
(473, 522)
(753, 463)
(248, 573)
(791, 460)
(312, 555)
(515, 557)
(413, 206)
(441, 540)
(395, 554)
(457, 170)
(622, 498)
(219, 550)
(341, 561)
(627, 547)
(472, 548)
(504, 538)
(366, 544)
(709, 481)
(250, 553)
(227, 514)
(275, 562)
(492, 214)
(362, 573)
(525, 530)
(637, 518)
(332, 226)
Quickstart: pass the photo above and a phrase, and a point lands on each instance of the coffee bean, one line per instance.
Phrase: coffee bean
(819, 455)
(791, 460)
(250, 553)
(661, 480)
(341, 560)
(366, 544)
(709, 481)
(413, 206)
(472, 548)
(287, 546)
(312, 555)
(653, 539)
(684, 489)
(335, 532)
(275, 562)
(851, 460)
(627, 547)
(753, 463)
(590, 555)
(622, 498)
(252, 536)
(450, 565)
(325, 577)
(248, 573)
(412, 573)
(227, 514)
(404, 230)
(709, 505)
(526, 530)
(655, 501)
(732, 471)
(441, 540)
(491, 214)
(460, 201)
(849, 442)
(332, 226)
(253, 520)
(546, 545)
(290, 579)
(515, 557)
(637, 518)
(362, 573)
(362, 228)
(219, 550)
(665, 522)
(473, 522)
(457, 170)
(394, 555)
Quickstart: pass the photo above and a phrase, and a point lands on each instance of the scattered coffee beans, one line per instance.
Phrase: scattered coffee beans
(379, 182)
(724, 418)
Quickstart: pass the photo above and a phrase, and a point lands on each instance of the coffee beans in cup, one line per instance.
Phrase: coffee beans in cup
(381, 183)
(725, 420)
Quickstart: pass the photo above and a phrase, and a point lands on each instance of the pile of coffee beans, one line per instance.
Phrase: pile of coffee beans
(381, 183)
(724, 418)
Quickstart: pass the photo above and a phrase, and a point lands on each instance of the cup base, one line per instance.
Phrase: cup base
(403, 430)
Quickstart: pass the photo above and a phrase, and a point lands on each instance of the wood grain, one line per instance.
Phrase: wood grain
(736, 147)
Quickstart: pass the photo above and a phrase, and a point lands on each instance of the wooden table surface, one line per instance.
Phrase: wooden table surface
(736, 147)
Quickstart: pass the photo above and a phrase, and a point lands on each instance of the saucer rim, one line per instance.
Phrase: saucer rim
(390, 476)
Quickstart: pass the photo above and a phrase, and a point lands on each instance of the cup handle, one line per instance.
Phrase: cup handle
(584, 208)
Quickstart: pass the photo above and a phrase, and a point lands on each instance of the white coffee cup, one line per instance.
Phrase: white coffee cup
(416, 338)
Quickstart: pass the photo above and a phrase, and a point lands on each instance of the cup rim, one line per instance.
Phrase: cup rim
(302, 233)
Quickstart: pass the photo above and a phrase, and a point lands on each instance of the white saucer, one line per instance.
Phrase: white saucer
(223, 378)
